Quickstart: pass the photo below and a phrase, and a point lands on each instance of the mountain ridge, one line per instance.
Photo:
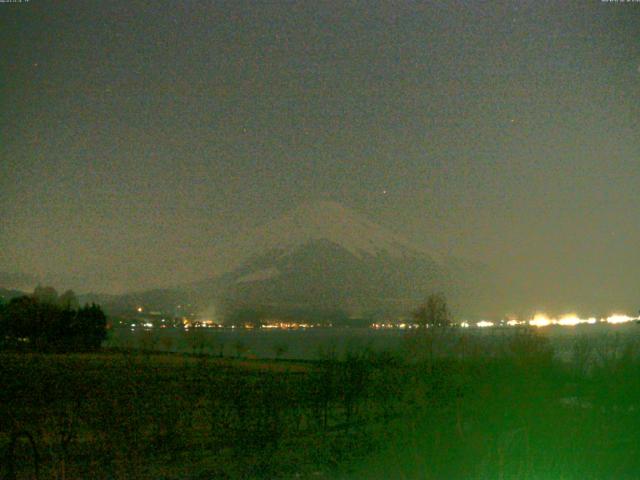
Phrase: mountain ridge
(319, 255)
(329, 256)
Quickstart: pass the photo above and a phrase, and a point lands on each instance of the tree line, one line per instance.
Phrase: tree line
(46, 321)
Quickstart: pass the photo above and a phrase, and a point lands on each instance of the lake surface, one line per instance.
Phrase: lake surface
(314, 342)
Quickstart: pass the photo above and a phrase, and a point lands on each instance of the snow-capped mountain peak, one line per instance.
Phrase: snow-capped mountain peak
(328, 220)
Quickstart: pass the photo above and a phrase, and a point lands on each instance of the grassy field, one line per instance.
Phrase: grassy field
(508, 410)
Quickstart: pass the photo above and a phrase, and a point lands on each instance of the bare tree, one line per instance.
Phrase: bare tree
(69, 301)
(434, 312)
(434, 319)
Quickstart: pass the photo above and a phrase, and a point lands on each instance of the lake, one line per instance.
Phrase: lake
(313, 342)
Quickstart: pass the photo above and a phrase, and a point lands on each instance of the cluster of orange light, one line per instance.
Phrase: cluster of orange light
(287, 325)
(402, 326)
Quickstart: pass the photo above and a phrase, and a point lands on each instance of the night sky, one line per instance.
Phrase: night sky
(136, 135)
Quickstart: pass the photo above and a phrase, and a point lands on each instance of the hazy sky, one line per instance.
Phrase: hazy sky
(136, 133)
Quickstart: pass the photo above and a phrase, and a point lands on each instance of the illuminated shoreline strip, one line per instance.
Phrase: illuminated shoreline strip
(541, 320)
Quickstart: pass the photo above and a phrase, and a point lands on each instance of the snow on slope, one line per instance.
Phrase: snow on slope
(324, 253)
(331, 221)
(259, 276)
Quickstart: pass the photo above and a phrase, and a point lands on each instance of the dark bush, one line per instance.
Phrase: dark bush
(28, 323)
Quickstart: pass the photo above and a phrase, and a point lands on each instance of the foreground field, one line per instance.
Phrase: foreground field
(514, 411)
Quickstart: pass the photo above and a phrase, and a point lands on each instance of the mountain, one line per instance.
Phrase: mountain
(27, 282)
(328, 257)
(330, 221)
(323, 274)
(323, 257)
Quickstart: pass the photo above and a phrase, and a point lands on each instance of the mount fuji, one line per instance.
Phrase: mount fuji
(326, 257)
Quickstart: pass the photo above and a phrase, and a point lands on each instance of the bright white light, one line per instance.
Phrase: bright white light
(570, 320)
(484, 324)
(139, 309)
(616, 318)
(540, 320)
